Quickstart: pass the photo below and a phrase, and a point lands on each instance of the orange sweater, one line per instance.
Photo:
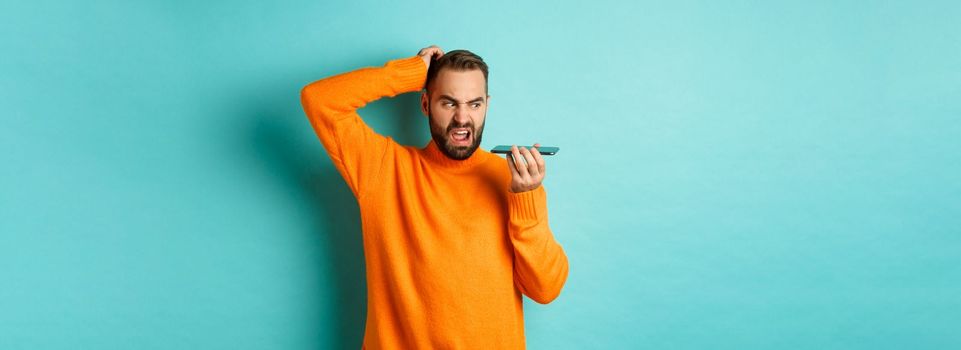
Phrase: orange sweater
(449, 249)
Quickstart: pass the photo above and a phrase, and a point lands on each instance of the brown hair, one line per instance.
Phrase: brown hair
(458, 60)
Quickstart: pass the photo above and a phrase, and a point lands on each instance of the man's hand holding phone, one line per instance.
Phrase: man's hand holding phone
(527, 168)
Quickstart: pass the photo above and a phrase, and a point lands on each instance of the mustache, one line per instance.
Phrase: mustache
(454, 125)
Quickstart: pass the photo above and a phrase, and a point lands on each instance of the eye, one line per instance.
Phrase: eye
(475, 105)
(447, 104)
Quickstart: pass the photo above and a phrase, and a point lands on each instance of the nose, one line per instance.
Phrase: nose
(462, 114)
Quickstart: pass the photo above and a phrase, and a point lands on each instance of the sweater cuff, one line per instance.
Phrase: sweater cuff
(408, 74)
(529, 205)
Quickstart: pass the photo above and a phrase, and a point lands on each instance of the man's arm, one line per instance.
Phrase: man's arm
(331, 104)
(540, 264)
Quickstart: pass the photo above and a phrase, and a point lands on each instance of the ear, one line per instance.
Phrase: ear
(424, 104)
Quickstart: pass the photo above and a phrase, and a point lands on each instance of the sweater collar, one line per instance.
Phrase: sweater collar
(433, 152)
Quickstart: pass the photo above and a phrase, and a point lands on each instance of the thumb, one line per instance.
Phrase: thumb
(512, 166)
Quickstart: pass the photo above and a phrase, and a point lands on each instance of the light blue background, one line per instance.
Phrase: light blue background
(732, 175)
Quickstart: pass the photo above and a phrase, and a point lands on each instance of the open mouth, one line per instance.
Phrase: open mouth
(460, 137)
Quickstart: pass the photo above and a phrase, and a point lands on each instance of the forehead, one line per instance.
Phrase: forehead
(463, 85)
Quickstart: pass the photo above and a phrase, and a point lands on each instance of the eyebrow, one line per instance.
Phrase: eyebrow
(445, 97)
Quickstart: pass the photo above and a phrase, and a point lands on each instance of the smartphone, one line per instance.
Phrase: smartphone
(545, 151)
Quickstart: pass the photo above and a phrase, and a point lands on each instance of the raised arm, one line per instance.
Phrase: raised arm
(540, 264)
(331, 104)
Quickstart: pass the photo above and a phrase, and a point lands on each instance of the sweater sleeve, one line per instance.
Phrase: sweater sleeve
(540, 264)
(331, 106)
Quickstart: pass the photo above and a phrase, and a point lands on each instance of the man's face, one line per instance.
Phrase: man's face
(456, 107)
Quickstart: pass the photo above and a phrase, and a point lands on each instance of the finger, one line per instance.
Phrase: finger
(518, 158)
(531, 163)
(427, 50)
(511, 166)
(539, 159)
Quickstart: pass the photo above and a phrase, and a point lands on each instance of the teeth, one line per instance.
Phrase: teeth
(460, 135)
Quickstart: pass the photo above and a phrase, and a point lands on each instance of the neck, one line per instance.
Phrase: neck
(436, 155)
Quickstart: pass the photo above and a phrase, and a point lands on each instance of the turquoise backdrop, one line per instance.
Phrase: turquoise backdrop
(732, 175)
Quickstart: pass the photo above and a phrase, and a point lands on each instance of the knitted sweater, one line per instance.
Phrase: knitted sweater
(449, 249)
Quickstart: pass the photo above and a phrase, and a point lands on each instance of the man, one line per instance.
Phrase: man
(452, 236)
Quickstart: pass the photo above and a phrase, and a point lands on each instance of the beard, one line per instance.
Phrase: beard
(442, 137)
